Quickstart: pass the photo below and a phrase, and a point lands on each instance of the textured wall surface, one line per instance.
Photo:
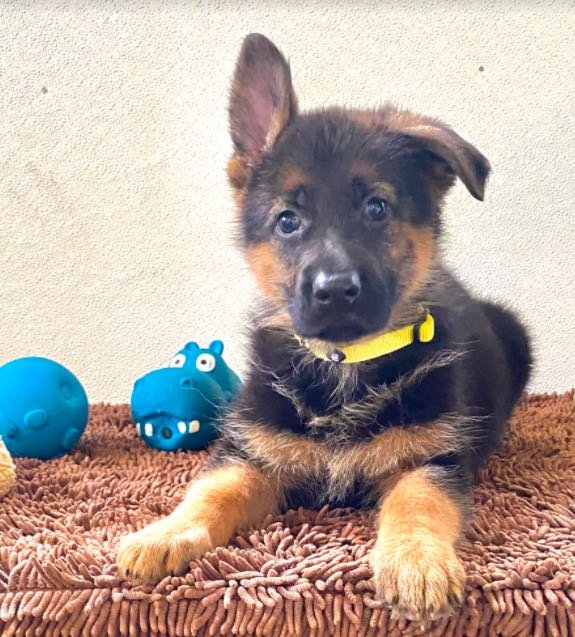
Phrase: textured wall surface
(115, 215)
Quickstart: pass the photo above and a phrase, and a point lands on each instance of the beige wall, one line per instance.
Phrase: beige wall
(114, 209)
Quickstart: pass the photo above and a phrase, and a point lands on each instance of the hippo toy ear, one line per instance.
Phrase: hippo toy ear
(217, 347)
(192, 346)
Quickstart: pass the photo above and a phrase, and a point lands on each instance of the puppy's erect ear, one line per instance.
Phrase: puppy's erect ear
(262, 100)
(457, 156)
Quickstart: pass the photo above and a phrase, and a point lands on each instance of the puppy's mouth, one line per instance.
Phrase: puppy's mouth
(342, 329)
(335, 333)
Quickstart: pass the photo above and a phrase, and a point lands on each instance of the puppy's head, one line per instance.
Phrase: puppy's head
(339, 209)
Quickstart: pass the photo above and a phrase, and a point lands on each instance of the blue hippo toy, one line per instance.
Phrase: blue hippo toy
(177, 407)
(209, 361)
(43, 408)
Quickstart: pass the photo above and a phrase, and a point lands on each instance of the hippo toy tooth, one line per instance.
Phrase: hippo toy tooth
(194, 426)
(182, 427)
(149, 429)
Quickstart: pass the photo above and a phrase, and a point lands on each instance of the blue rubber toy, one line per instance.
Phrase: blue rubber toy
(43, 408)
(177, 407)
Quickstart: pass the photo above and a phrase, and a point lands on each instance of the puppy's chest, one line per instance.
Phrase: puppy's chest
(338, 445)
(346, 473)
(340, 409)
(339, 441)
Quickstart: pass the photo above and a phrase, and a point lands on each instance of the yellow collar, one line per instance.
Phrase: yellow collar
(380, 345)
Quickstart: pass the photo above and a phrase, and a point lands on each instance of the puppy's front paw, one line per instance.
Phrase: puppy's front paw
(420, 578)
(161, 549)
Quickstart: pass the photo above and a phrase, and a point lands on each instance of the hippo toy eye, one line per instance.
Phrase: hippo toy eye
(179, 360)
(205, 363)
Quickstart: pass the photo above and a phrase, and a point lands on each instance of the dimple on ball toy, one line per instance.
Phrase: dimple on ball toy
(43, 408)
(177, 407)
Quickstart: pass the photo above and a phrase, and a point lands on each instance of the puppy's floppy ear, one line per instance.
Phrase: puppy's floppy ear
(262, 100)
(452, 154)
(461, 157)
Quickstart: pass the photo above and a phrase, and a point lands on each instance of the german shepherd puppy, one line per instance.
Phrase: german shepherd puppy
(345, 401)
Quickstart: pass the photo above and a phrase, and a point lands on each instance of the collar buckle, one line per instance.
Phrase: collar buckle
(336, 356)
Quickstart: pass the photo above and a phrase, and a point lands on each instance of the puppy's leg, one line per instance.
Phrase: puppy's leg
(416, 569)
(219, 502)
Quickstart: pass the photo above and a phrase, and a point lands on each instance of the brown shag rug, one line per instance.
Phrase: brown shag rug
(304, 573)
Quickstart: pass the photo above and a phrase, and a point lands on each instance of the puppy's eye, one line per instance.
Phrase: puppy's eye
(376, 209)
(288, 222)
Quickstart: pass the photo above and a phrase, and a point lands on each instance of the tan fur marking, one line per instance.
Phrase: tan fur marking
(365, 170)
(423, 243)
(387, 191)
(396, 448)
(368, 173)
(228, 498)
(292, 178)
(417, 505)
(367, 119)
(238, 176)
(268, 271)
(392, 119)
(218, 503)
(399, 120)
(416, 569)
(284, 453)
(413, 254)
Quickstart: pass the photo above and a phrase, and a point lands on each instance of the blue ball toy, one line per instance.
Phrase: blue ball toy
(43, 408)
(177, 407)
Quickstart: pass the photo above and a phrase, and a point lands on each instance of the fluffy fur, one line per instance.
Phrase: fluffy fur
(350, 200)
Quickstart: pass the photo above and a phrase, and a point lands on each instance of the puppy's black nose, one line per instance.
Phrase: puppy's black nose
(336, 288)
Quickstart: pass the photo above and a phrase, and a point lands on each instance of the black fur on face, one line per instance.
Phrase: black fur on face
(339, 209)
